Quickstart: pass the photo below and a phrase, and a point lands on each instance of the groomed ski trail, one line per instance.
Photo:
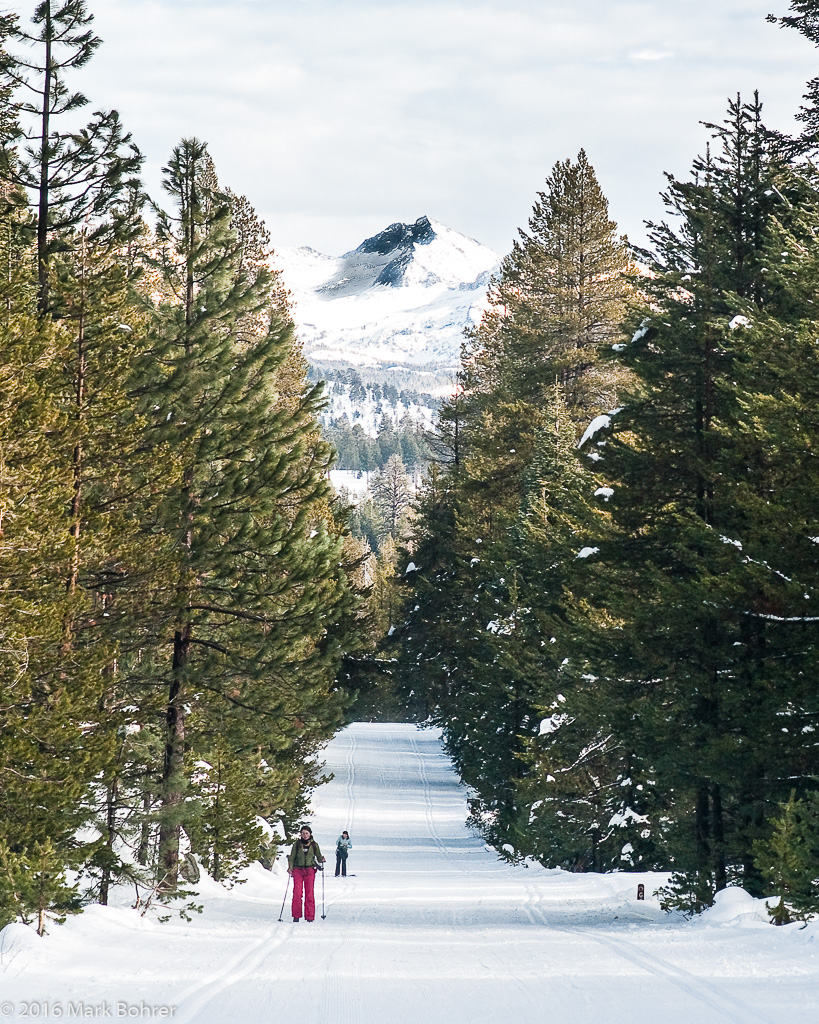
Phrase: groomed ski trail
(433, 927)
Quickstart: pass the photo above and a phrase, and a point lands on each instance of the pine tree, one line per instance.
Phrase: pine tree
(33, 886)
(684, 651)
(478, 614)
(68, 435)
(558, 299)
(70, 174)
(254, 591)
(391, 494)
(789, 859)
(805, 19)
(428, 630)
(577, 795)
(34, 805)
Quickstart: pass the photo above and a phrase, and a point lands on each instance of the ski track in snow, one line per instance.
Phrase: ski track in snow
(192, 1001)
(429, 926)
(428, 805)
(696, 988)
(350, 781)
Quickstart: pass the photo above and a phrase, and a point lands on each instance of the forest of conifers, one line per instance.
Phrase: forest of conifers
(612, 603)
(176, 587)
(606, 593)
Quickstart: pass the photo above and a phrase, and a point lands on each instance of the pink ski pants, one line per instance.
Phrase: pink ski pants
(304, 880)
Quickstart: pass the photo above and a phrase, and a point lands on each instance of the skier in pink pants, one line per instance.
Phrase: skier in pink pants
(304, 860)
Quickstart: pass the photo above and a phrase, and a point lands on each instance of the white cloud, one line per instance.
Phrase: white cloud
(651, 55)
(337, 117)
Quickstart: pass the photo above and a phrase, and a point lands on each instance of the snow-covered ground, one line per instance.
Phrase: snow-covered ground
(354, 482)
(429, 927)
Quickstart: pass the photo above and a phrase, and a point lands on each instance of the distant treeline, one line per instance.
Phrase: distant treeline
(361, 391)
(358, 451)
(426, 379)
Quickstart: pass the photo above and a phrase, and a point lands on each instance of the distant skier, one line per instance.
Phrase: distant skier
(343, 845)
(304, 861)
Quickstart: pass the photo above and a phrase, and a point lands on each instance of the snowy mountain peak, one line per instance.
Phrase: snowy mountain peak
(398, 237)
(395, 307)
(424, 253)
(389, 254)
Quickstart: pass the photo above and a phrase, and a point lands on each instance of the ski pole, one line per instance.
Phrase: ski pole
(286, 889)
(323, 915)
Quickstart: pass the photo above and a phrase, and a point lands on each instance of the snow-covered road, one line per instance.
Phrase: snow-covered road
(429, 927)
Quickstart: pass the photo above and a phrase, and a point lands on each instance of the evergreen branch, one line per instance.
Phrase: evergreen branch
(276, 715)
(28, 778)
(600, 745)
(235, 613)
(211, 644)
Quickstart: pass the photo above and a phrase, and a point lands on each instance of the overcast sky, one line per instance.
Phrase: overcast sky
(338, 117)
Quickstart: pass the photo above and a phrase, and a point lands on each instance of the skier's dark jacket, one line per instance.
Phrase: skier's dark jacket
(301, 858)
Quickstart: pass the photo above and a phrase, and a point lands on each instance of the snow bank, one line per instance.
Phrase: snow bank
(15, 938)
(735, 906)
(96, 919)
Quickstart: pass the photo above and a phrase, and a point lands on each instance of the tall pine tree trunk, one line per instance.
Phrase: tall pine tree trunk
(718, 833)
(173, 795)
(77, 455)
(216, 830)
(702, 836)
(111, 829)
(45, 166)
(170, 830)
(145, 829)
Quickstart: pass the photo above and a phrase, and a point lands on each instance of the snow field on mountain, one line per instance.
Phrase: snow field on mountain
(430, 926)
(343, 313)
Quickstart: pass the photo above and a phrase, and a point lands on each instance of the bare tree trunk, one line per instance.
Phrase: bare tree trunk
(45, 166)
(110, 827)
(172, 777)
(145, 830)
